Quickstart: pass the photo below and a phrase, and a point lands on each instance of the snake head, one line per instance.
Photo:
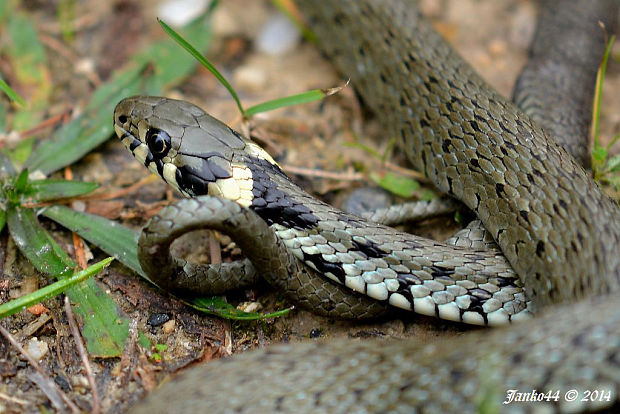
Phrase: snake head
(186, 147)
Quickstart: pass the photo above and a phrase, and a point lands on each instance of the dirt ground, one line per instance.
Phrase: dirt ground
(308, 139)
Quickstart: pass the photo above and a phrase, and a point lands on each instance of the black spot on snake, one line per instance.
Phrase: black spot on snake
(134, 144)
(441, 271)
(540, 248)
(475, 126)
(499, 189)
(190, 182)
(370, 249)
(324, 266)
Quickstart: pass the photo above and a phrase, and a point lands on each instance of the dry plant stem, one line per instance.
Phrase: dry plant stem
(47, 123)
(130, 355)
(12, 399)
(215, 252)
(123, 192)
(77, 337)
(50, 383)
(311, 172)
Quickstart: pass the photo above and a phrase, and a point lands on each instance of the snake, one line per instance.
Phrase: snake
(558, 233)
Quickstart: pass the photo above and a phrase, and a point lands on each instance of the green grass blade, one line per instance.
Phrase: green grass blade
(301, 98)
(40, 295)
(14, 96)
(598, 95)
(396, 184)
(47, 190)
(218, 307)
(2, 218)
(116, 240)
(202, 60)
(36, 243)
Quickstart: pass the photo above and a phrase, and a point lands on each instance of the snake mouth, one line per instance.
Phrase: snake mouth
(123, 128)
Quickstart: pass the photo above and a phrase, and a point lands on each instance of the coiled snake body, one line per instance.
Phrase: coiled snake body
(555, 227)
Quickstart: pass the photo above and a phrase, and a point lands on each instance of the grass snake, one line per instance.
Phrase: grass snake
(553, 224)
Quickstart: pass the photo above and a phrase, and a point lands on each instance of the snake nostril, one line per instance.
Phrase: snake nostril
(122, 119)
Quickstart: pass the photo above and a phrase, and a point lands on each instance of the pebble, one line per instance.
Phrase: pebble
(157, 319)
(180, 12)
(316, 333)
(250, 306)
(277, 36)
(37, 349)
(169, 326)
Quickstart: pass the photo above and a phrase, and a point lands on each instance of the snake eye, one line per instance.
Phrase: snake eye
(158, 142)
(122, 119)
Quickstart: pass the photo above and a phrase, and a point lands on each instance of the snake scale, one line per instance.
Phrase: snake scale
(555, 227)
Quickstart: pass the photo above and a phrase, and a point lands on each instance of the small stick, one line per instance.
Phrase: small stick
(311, 172)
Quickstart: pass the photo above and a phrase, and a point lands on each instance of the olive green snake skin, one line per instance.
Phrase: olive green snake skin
(556, 228)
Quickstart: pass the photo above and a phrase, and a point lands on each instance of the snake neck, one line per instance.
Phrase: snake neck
(378, 261)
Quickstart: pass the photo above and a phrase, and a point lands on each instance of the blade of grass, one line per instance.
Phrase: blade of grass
(36, 243)
(47, 190)
(599, 154)
(111, 237)
(600, 76)
(14, 96)
(49, 291)
(203, 61)
(396, 184)
(218, 307)
(301, 98)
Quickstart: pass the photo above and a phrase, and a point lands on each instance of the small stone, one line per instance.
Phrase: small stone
(277, 36)
(157, 319)
(250, 306)
(80, 384)
(37, 349)
(169, 326)
(180, 12)
(316, 333)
